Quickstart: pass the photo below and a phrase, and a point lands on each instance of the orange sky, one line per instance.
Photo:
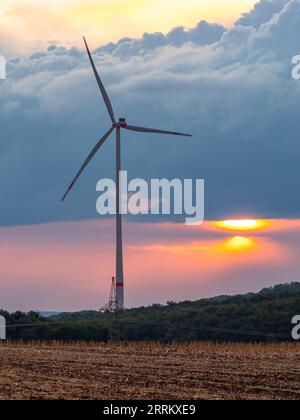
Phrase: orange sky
(67, 266)
(31, 23)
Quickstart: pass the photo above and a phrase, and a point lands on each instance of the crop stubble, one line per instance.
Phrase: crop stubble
(149, 371)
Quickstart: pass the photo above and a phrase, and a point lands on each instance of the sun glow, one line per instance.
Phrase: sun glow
(242, 224)
(239, 243)
(103, 21)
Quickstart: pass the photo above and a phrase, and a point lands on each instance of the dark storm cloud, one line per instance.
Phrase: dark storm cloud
(236, 95)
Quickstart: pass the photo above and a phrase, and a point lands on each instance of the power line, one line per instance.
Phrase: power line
(41, 285)
(185, 286)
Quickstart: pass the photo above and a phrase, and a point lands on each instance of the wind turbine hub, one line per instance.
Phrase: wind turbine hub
(121, 124)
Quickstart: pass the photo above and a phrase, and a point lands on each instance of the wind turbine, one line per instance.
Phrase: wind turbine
(121, 124)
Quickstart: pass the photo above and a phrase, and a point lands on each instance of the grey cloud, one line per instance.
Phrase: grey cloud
(203, 34)
(281, 34)
(262, 12)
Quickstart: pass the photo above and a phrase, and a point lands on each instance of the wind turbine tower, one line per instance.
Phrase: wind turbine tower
(118, 287)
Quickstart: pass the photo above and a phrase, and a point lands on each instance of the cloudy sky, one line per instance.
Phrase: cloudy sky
(219, 69)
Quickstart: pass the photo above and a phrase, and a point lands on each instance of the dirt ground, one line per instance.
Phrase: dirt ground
(149, 371)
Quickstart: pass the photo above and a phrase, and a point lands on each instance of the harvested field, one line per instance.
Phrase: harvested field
(149, 371)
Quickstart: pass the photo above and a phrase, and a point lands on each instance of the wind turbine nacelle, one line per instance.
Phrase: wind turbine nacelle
(122, 123)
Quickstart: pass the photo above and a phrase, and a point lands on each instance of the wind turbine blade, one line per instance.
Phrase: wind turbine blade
(101, 86)
(154, 131)
(87, 161)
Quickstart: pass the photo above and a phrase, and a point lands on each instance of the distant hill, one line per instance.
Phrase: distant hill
(265, 316)
(49, 314)
(280, 289)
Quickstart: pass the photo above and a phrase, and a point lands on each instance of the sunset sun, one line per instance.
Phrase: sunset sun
(242, 224)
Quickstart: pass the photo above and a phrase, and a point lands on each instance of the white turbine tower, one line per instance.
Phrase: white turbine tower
(121, 124)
